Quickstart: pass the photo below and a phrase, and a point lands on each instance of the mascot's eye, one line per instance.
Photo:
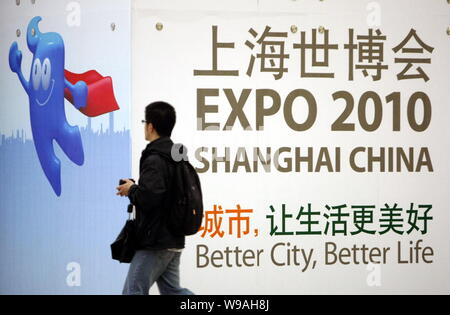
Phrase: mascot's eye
(46, 74)
(37, 74)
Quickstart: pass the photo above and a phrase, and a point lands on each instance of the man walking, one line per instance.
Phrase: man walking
(157, 258)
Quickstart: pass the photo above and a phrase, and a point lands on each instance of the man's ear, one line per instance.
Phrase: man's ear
(149, 128)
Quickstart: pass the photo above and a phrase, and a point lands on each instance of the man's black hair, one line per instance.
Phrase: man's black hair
(162, 116)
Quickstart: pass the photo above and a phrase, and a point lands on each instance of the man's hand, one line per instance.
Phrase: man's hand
(124, 189)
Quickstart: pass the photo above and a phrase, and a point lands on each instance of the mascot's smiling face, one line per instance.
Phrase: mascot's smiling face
(47, 72)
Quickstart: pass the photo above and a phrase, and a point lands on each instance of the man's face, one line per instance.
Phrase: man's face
(146, 131)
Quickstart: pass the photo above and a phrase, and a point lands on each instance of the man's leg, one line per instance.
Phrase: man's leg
(169, 281)
(145, 268)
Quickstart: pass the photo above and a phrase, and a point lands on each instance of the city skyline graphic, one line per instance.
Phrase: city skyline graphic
(56, 232)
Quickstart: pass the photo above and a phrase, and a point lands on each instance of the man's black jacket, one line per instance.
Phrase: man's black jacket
(149, 195)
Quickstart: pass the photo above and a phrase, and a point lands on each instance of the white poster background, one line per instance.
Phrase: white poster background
(163, 63)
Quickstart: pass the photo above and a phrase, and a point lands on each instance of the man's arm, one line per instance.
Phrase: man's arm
(151, 187)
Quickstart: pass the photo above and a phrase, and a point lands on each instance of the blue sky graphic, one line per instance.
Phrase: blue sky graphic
(42, 233)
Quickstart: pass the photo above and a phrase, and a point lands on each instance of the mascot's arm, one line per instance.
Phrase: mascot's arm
(15, 63)
(79, 93)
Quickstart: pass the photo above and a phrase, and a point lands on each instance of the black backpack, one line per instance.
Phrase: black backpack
(184, 200)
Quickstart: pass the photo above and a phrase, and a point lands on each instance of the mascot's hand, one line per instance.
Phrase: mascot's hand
(80, 94)
(15, 58)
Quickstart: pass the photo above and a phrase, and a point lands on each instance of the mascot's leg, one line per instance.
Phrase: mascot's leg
(69, 139)
(51, 165)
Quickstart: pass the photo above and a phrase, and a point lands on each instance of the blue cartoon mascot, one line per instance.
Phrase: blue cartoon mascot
(48, 86)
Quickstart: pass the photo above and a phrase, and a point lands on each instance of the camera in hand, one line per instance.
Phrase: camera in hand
(121, 182)
(130, 206)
